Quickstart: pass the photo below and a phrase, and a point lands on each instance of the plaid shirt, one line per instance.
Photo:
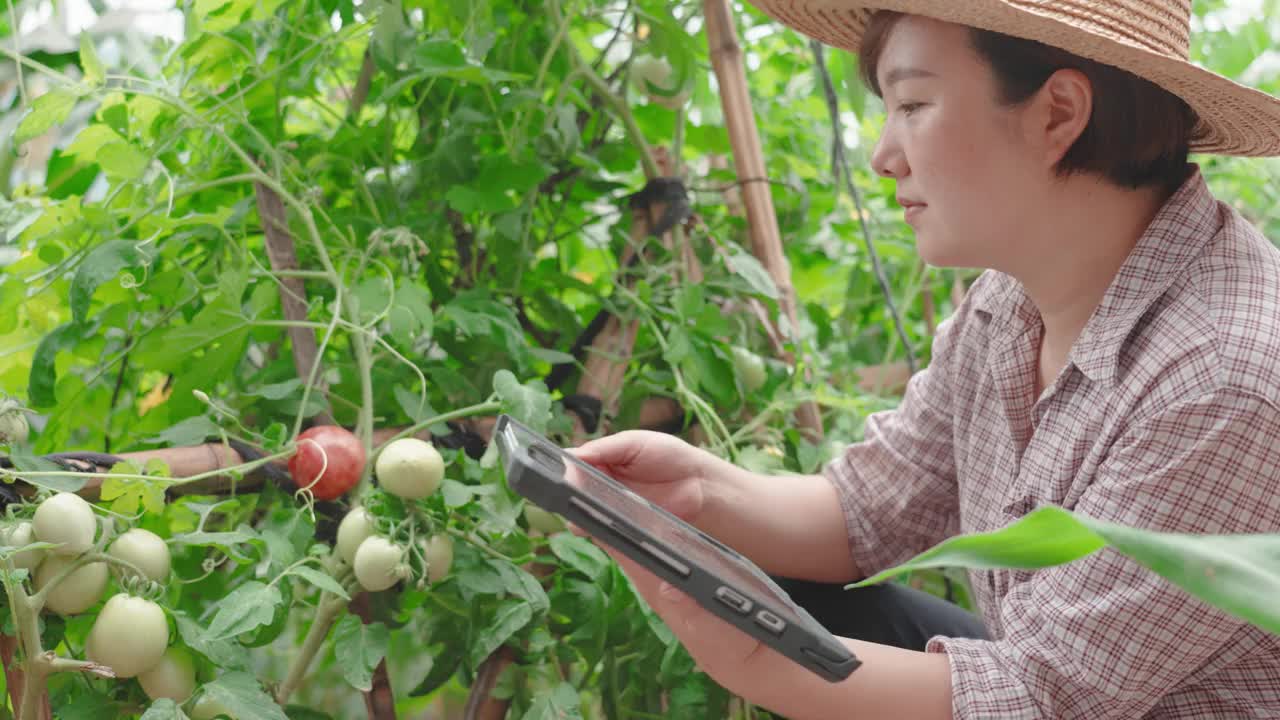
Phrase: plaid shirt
(1165, 417)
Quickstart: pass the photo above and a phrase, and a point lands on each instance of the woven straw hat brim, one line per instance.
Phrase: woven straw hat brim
(1234, 119)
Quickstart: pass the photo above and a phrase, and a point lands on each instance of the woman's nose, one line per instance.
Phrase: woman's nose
(887, 158)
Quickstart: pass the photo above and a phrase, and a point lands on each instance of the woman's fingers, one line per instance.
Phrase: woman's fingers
(619, 450)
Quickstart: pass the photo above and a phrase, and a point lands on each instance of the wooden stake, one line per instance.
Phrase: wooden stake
(766, 241)
(293, 294)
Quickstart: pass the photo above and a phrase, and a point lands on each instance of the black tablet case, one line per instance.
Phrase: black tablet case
(720, 579)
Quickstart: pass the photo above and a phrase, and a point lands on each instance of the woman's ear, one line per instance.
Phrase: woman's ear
(1064, 106)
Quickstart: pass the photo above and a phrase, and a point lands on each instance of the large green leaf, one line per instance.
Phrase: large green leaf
(359, 648)
(48, 110)
(511, 617)
(242, 695)
(247, 607)
(529, 403)
(1238, 573)
(559, 703)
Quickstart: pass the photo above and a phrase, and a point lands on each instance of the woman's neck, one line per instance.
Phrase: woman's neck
(1083, 234)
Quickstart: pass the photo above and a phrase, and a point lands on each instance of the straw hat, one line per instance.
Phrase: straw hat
(1149, 38)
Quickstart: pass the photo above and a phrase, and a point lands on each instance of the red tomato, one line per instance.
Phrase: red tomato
(345, 458)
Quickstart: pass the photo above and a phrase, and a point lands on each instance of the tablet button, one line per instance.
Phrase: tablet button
(770, 622)
(733, 599)
(665, 558)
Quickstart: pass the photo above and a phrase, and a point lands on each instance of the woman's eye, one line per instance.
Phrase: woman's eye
(907, 108)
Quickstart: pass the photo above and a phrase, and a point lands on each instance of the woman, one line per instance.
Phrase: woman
(1119, 358)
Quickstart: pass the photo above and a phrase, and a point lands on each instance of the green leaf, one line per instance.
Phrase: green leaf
(522, 585)
(223, 653)
(558, 703)
(411, 317)
(416, 407)
(48, 110)
(1236, 573)
(749, 268)
(1046, 537)
(320, 580)
(123, 160)
(94, 73)
(43, 377)
(445, 59)
(529, 403)
(191, 431)
(555, 357)
(478, 579)
(164, 708)
(449, 644)
(457, 494)
(32, 463)
(512, 616)
(243, 697)
(127, 495)
(359, 648)
(580, 554)
(228, 541)
(245, 608)
(103, 263)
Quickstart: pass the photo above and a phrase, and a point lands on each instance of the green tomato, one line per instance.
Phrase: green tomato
(409, 468)
(17, 536)
(379, 564)
(14, 429)
(67, 520)
(439, 554)
(129, 635)
(78, 591)
(144, 549)
(354, 529)
(652, 76)
(173, 677)
(750, 367)
(542, 520)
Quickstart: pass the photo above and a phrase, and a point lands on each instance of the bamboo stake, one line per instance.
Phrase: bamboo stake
(293, 294)
(766, 240)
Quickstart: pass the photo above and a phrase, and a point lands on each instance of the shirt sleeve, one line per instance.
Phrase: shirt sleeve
(1103, 637)
(897, 486)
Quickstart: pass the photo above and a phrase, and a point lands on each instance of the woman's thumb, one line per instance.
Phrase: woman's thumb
(611, 450)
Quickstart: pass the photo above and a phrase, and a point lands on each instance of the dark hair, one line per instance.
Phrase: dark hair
(1138, 135)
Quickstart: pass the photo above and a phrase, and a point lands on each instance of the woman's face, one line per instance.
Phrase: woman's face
(966, 177)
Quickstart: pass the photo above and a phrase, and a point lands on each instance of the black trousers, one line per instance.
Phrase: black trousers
(889, 614)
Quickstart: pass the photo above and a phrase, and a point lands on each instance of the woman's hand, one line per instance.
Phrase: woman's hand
(663, 469)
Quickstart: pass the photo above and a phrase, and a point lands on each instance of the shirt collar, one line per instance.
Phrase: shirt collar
(1172, 241)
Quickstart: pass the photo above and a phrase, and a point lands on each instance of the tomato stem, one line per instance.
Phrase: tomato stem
(483, 408)
(327, 612)
(172, 482)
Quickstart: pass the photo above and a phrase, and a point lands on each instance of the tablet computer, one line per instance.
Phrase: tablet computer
(720, 579)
